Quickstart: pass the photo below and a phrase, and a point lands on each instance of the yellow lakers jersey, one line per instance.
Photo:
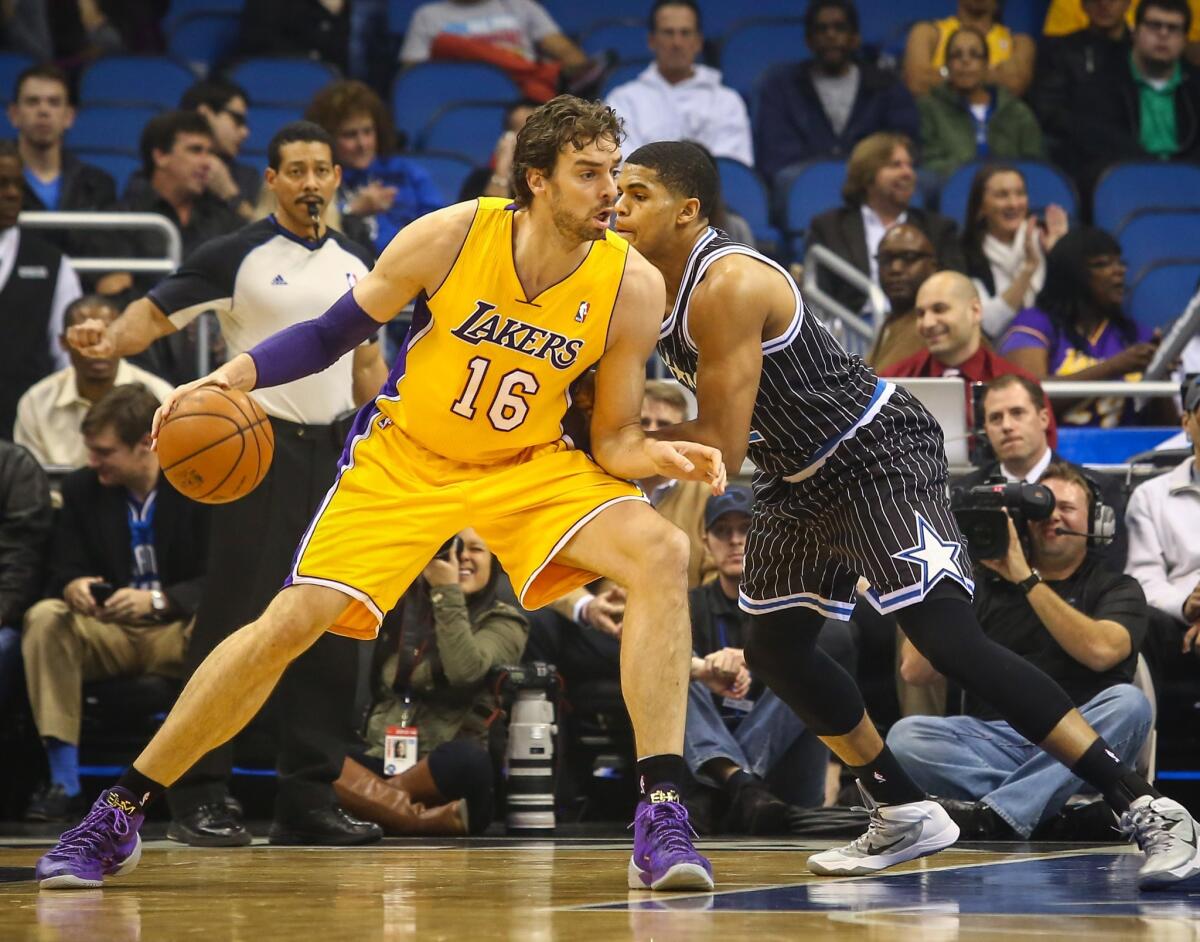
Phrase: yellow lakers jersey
(485, 371)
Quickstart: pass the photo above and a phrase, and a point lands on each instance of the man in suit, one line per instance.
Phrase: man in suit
(126, 573)
(880, 182)
(1016, 418)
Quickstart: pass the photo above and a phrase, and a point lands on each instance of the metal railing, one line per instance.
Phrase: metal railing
(1086, 389)
(845, 322)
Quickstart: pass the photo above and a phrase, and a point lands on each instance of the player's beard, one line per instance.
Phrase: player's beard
(573, 227)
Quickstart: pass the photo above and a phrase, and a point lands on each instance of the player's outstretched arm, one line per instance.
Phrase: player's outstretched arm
(140, 324)
(618, 443)
(726, 318)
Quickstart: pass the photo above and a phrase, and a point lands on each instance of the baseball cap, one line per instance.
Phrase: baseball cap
(736, 499)
(1191, 394)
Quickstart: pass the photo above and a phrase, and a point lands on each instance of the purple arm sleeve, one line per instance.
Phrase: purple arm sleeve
(311, 346)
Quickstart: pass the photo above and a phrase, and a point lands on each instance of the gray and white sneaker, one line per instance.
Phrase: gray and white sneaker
(1166, 833)
(896, 833)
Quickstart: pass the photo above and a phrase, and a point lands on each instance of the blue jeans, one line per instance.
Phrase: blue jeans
(770, 741)
(974, 760)
(10, 663)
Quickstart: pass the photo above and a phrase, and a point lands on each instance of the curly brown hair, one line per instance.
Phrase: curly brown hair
(560, 121)
(338, 102)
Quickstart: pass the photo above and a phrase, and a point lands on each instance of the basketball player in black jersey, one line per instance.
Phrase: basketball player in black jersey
(850, 482)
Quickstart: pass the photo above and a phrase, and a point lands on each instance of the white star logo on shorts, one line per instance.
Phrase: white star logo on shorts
(935, 556)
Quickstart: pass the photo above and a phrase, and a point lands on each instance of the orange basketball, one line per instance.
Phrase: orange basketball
(216, 446)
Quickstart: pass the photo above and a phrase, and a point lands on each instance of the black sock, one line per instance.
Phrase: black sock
(661, 773)
(886, 781)
(145, 790)
(1118, 783)
(737, 780)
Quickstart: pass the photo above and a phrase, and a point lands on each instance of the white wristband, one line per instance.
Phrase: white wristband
(580, 606)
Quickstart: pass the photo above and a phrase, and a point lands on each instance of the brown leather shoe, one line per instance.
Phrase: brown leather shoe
(364, 794)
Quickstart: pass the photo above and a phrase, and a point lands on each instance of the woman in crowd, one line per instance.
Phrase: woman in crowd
(969, 117)
(1079, 329)
(431, 671)
(1010, 55)
(1005, 246)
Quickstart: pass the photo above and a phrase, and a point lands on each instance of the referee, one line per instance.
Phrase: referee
(273, 273)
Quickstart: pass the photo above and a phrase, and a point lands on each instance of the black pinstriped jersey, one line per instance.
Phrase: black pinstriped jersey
(812, 391)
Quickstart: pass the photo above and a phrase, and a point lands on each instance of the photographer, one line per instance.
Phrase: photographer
(126, 573)
(1076, 620)
(434, 653)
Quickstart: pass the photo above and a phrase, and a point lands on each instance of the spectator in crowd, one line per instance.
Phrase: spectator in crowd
(1010, 55)
(906, 258)
(126, 575)
(84, 30)
(1163, 519)
(1149, 109)
(437, 647)
(511, 34)
(225, 106)
(1068, 16)
(36, 285)
(50, 414)
(260, 279)
(25, 29)
(1075, 619)
(1098, 43)
(177, 157)
(966, 118)
(949, 321)
(55, 178)
(26, 518)
(1019, 425)
(1079, 328)
(739, 736)
(824, 106)
(384, 189)
(880, 182)
(675, 99)
(495, 179)
(312, 29)
(1006, 246)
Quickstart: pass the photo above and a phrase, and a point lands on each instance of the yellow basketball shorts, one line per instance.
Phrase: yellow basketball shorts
(395, 503)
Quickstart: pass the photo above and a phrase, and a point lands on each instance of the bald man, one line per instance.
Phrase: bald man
(906, 258)
(947, 320)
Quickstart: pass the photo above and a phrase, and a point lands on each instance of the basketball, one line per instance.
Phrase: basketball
(216, 446)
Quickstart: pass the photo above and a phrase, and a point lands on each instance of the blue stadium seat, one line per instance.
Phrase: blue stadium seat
(1164, 290)
(1043, 182)
(720, 19)
(815, 188)
(575, 18)
(204, 39)
(745, 194)
(1025, 16)
(627, 38)
(12, 64)
(624, 72)
(115, 130)
(468, 128)
(263, 122)
(885, 23)
(1156, 235)
(399, 12)
(180, 10)
(420, 93)
(283, 81)
(749, 50)
(119, 166)
(448, 172)
(155, 81)
(1125, 188)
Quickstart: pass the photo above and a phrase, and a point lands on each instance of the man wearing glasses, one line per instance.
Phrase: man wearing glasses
(224, 105)
(1149, 108)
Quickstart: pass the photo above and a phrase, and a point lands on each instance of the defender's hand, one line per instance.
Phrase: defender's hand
(606, 611)
(688, 461)
(1013, 566)
(91, 339)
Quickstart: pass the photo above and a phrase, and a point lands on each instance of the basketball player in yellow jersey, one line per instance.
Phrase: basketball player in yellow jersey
(512, 304)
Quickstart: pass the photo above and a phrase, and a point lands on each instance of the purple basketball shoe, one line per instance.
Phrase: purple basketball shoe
(105, 843)
(663, 855)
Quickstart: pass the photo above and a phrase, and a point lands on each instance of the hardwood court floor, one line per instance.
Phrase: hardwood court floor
(494, 890)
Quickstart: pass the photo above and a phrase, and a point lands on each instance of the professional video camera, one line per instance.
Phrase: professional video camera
(980, 514)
